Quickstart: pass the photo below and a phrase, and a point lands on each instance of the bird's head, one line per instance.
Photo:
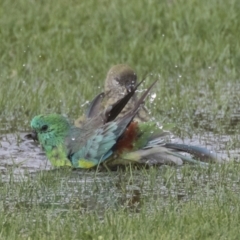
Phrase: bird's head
(50, 130)
(120, 79)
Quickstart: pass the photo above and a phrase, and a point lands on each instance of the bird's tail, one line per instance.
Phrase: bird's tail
(155, 156)
(200, 153)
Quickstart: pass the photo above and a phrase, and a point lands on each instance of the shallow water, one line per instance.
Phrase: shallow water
(21, 154)
(23, 160)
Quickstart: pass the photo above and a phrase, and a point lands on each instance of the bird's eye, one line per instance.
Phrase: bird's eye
(44, 128)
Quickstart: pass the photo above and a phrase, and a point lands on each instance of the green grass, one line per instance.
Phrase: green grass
(194, 203)
(55, 56)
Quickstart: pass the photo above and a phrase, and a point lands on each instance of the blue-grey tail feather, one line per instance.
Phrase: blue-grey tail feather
(200, 153)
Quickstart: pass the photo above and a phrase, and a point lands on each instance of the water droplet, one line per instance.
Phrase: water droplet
(87, 102)
(73, 139)
(56, 69)
(152, 97)
(23, 65)
(40, 56)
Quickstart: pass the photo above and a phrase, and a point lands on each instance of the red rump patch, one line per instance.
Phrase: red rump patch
(127, 139)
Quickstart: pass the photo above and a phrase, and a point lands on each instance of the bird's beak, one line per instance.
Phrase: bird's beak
(129, 87)
(32, 136)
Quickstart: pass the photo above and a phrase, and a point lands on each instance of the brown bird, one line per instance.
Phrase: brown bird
(121, 79)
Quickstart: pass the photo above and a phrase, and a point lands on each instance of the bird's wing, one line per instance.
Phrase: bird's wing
(94, 144)
(96, 149)
(95, 106)
(81, 135)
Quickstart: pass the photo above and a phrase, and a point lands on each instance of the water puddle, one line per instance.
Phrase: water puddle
(21, 154)
(23, 160)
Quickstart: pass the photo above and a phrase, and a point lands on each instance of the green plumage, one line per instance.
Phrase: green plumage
(66, 144)
(147, 132)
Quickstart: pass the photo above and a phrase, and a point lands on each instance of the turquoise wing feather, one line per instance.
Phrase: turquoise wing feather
(97, 148)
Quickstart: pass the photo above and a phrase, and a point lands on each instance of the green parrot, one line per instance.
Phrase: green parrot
(88, 146)
(109, 139)
(121, 79)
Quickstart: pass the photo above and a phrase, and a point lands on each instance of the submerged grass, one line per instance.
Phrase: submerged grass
(54, 57)
(193, 203)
